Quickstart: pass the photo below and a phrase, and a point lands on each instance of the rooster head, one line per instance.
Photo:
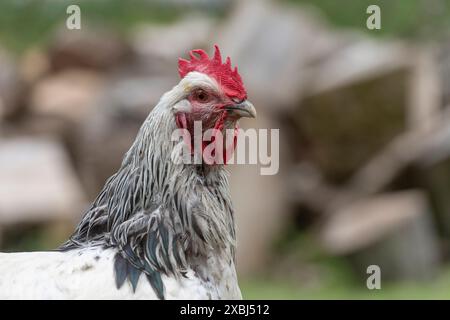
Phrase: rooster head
(211, 92)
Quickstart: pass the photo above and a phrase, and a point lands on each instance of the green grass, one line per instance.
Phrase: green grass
(438, 288)
(24, 23)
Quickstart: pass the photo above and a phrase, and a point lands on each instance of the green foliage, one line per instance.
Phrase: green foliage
(400, 18)
(32, 237)
(24, 23)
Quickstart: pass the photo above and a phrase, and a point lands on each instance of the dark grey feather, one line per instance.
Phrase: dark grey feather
(120, 270)
(156, 282)
(133, 276)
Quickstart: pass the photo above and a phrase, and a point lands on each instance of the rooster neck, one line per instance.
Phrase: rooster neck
(163, 217)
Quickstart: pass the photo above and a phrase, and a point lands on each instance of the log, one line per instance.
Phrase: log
(37, 182)
(393, 230)
(356, 103)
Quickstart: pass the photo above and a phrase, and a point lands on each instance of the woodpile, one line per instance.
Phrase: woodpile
(364, 130)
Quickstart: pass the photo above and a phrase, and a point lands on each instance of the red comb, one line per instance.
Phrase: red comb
(228, 79)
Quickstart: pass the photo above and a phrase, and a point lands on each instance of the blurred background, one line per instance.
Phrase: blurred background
(364, 119)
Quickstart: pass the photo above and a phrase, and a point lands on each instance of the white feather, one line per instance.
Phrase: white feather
(88, 274)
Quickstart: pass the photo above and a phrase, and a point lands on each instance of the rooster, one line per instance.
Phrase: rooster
(159, 229)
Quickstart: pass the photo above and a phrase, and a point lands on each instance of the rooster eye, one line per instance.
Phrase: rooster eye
(201, 95)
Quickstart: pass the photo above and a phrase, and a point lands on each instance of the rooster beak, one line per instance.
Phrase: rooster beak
(243, 109)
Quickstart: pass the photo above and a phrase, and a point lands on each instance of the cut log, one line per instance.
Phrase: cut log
(68, 95)
(34, 65)
(355, 107)
(11, 87)
(87, 48)
(393, 231)
(37, 182)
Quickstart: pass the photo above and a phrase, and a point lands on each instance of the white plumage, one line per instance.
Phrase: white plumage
(88, 274)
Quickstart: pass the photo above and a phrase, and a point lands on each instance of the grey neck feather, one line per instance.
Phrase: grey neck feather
(161, 216)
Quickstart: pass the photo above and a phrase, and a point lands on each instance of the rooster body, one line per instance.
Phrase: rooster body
(89, 274)
(160, 228)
